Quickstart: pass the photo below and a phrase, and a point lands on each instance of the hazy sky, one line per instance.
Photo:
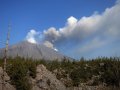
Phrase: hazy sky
(76, 28)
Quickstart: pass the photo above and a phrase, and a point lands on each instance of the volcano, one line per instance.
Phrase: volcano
(26, 49)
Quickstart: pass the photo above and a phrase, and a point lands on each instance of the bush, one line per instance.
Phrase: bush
(19, 71)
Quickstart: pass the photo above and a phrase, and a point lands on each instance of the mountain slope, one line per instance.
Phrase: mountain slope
(34, 51)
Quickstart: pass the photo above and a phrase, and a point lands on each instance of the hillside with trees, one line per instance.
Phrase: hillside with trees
(100, 71)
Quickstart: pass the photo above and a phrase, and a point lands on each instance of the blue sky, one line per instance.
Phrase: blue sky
(74, 27)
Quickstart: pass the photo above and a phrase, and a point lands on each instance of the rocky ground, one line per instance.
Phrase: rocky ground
(45, 80)
(8, 86)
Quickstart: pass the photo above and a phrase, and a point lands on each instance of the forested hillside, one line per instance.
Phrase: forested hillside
(100, 71)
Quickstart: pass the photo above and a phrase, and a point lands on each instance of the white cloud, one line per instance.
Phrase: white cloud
(71, 21)
(105, 26)
(31, 36)
(34, 36)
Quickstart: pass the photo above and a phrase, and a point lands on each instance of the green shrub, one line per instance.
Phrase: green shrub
(19, 71)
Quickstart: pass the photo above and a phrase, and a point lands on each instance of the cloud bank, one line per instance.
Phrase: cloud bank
(84, 34)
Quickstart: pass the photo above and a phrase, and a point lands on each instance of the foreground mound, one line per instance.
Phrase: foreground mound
(45, 80)
(8, 86)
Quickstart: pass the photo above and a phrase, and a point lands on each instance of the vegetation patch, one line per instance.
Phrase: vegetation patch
(72, 73)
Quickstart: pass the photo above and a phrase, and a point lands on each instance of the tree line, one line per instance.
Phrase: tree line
(102, 70)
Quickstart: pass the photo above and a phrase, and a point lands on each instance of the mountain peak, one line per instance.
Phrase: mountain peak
(31, 50)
